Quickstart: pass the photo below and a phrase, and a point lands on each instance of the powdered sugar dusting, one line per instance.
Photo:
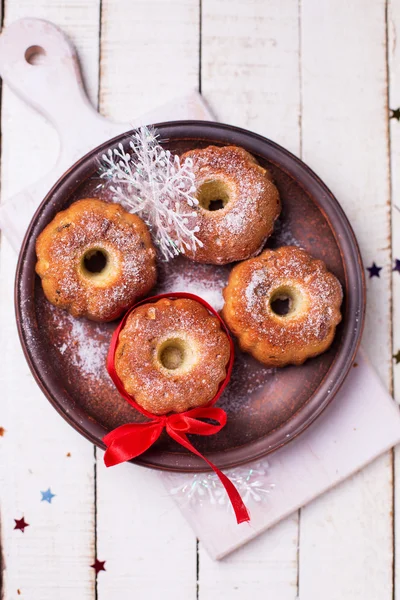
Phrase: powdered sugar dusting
(250, 381)
(89, 354)
(256, 280)
(83, 343)
(283, 234)
(206, 281)
(211, 293)
(234, 222)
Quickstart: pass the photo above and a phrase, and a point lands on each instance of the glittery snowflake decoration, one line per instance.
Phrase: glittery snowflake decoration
(150, 182)
(253, 483)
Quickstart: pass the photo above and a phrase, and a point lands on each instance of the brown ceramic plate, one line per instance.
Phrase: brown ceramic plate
(266, 408)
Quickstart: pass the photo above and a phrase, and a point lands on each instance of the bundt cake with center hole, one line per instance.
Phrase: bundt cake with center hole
(95, 260)
(283, 306)
(172, 355)
(238, 204)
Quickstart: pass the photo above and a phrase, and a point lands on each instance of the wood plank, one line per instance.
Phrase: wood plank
(250, 66)
(346, 536)
(266, 566)
(52, 557)
(149, 548)
(250, 77)
(149, 54)
(393, 24)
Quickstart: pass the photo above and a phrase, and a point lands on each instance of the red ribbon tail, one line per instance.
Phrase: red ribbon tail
(240, 510)
(128, 441)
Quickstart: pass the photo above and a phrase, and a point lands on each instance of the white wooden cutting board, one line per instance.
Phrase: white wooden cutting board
(41, 65)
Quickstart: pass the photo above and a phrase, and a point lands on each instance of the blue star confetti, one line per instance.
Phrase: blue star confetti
(47, 496)
(374, 270)
(396, 265)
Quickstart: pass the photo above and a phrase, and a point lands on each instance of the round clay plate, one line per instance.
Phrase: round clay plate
(266, 407)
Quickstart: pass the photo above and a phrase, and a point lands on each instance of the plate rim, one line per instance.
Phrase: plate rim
(166, 460)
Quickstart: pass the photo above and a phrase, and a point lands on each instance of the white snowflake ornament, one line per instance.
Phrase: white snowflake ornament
(252, 482)
(158, 187)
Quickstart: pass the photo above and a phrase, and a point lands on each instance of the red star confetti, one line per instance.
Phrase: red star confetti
(98, 565)
(2, 431)
(21, 524)
(374, 270)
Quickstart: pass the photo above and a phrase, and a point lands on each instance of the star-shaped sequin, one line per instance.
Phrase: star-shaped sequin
(374, 270)
(395, 114)
(47, 496)
(21, 524)
(98, 565)
(396, 265)
(397, 357)
(2, 431)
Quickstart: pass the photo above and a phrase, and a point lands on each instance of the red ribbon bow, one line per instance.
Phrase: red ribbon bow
(131, 440)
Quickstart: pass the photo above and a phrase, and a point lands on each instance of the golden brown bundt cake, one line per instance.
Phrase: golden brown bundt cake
(283, 306)
(172, 355)
(95, 259)
(238, 204)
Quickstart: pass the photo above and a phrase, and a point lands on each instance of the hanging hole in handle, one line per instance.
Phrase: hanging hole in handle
(35, 55)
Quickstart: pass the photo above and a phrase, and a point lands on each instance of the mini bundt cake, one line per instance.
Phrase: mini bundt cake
(283, 306)
(95, 260)
(172, 355)
(238, 204)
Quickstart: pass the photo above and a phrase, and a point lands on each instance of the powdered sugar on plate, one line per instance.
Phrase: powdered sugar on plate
(206, 281)
(211, 294)
(89, 354)
(82, 342)
(249, 380)
(283, 234)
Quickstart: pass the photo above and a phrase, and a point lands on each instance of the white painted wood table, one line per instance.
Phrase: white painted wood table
(318, 77)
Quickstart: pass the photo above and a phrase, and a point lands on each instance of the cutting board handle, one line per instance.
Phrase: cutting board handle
(41, 66)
